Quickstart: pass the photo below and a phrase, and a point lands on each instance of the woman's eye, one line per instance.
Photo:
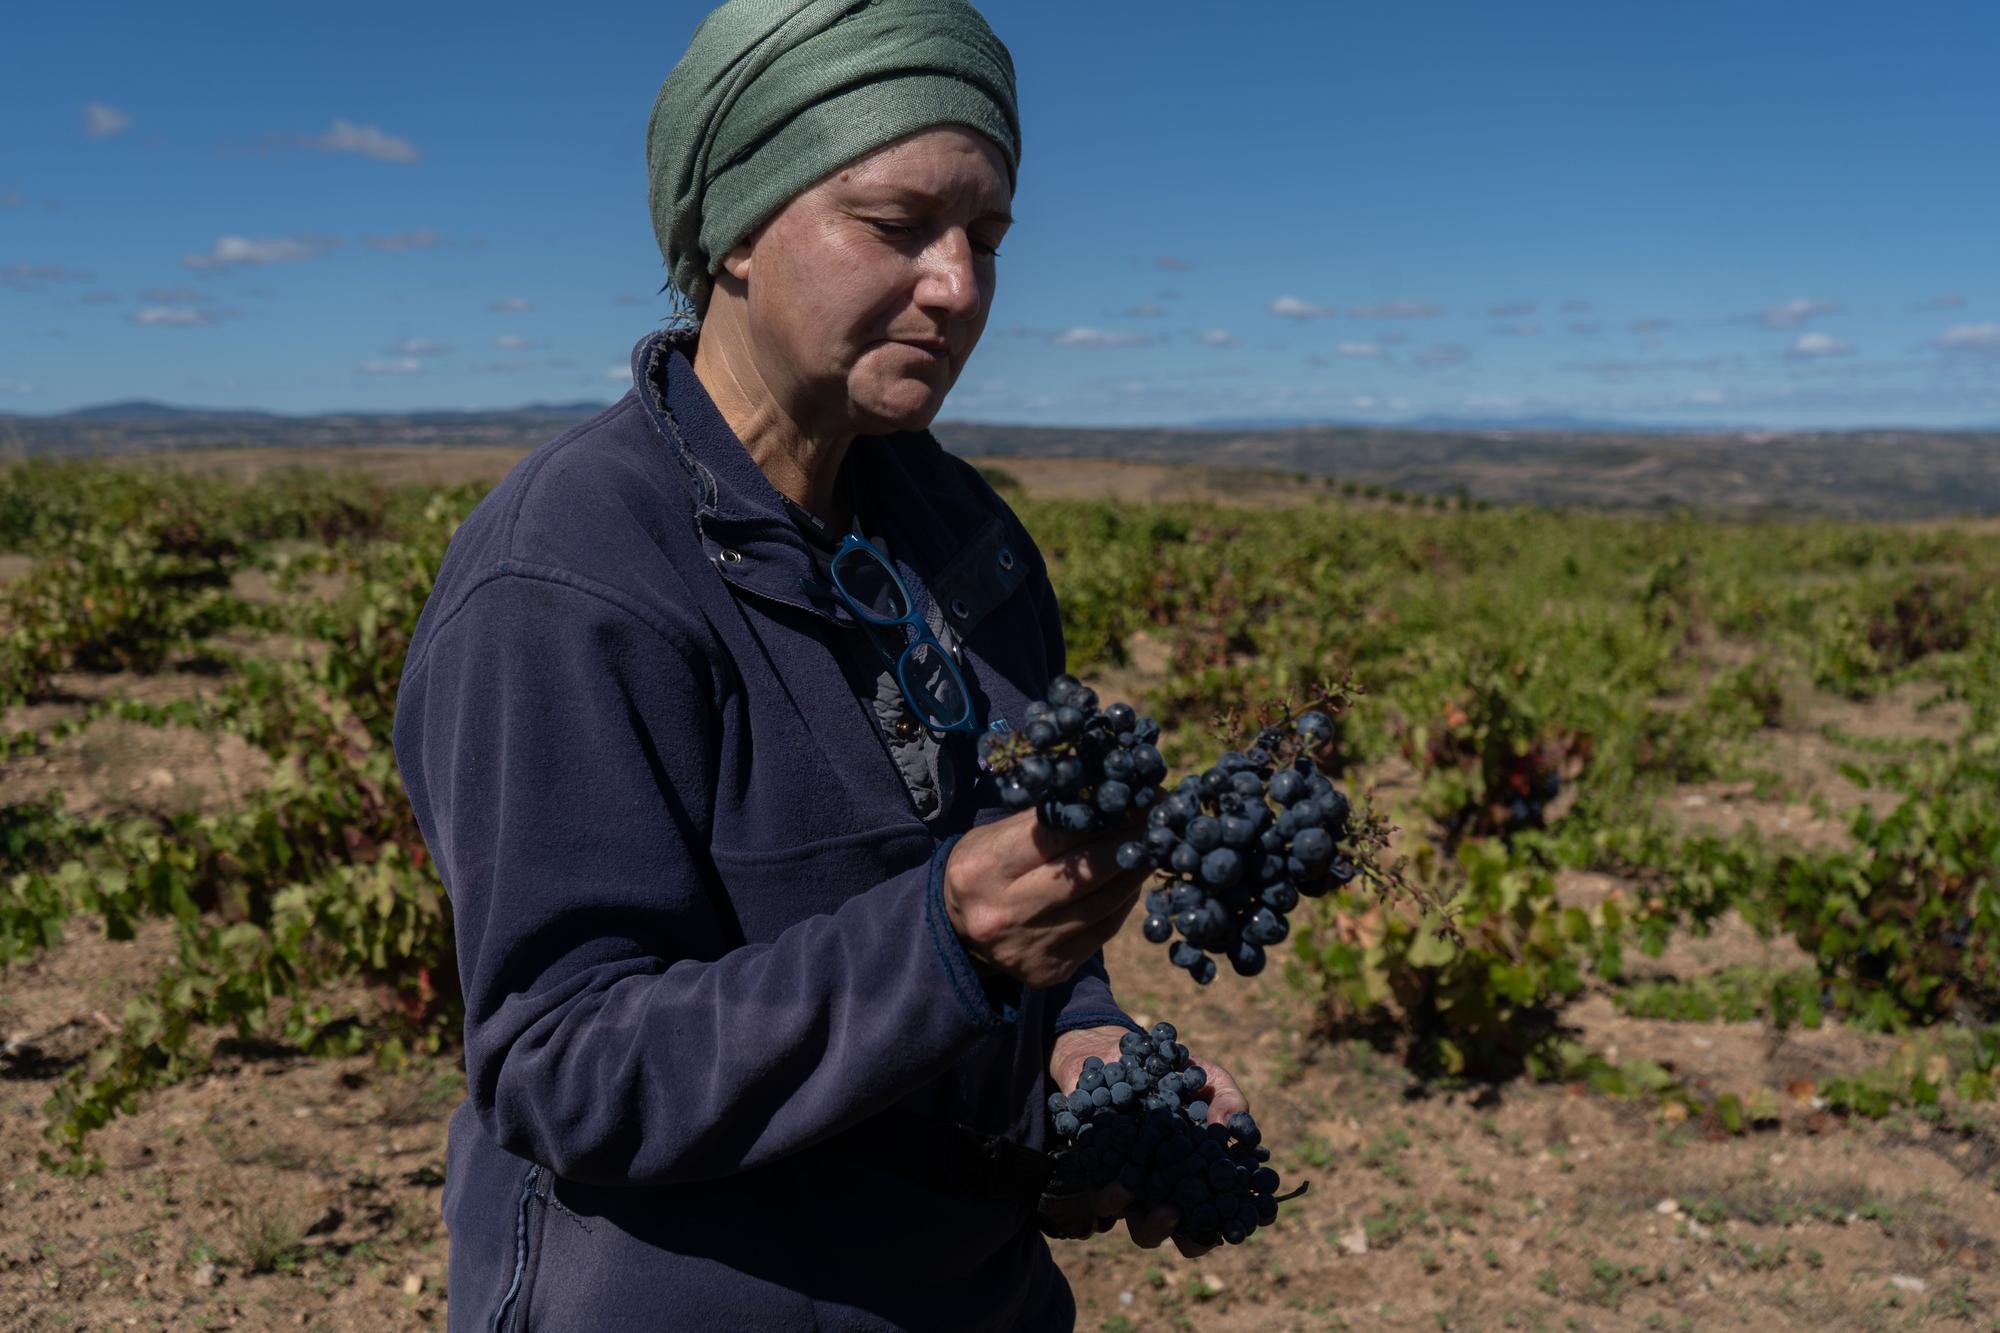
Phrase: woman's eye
(906, 229)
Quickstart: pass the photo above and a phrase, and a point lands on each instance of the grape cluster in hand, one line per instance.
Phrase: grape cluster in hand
(1138, 1122)
(1241, 843)
(1081, 768)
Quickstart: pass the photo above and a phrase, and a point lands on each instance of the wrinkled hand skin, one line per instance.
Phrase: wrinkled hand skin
(1114, 1203)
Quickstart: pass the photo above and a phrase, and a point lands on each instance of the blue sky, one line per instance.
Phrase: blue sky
(1749, 213)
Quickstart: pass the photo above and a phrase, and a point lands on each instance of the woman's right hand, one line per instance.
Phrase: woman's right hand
(1033, 903)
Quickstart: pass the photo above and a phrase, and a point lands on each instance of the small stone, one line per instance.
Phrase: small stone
(205, 1275)
(413, 1285)
(1904, 1282)
(1124, 1298)
(1667, 1207)
(1355, 1241)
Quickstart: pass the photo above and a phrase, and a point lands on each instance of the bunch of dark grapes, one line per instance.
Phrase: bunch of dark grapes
(1083, 769)
(1241, 843)
(1138, 1122)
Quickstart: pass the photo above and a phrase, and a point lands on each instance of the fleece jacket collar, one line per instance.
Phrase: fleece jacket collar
(746, 533)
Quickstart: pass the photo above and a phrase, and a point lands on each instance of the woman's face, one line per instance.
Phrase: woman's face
(867, 292)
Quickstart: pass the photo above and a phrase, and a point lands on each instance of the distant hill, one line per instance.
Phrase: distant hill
(1861, 474)
(140, 425)
(145, 409)
(1543, 423)
(1884, 473)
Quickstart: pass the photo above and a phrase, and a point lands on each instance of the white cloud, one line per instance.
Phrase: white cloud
(27, 277)
(1794, 313)
(1818, 344)
(1440, 354)
(1292, 307)
(1396, 310)
(101, 121)
(15, 386)
(1146, 311)
(1358, 349)
(1087, 337)
(513, 342)
(1615, 369)
(245, 251)
(1219, 338)
(620, 374)
(173, 296)
(402, 240)
(402, 365)
(419, 347)
(512, 305)
(171, 316)
(367, 140)
(1979, 339)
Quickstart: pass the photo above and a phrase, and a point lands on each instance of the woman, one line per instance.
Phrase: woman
(764, 990)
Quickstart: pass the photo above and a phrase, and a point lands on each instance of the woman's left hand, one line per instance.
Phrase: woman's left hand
(1114, 1203)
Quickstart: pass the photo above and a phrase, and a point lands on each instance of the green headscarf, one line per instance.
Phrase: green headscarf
(774, 94)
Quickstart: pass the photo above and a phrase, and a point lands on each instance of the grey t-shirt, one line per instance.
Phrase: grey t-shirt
(931, 769)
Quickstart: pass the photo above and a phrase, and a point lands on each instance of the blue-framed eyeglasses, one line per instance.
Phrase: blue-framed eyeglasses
(873, 590)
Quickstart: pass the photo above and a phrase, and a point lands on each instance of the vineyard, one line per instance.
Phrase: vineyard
(1706, 1034)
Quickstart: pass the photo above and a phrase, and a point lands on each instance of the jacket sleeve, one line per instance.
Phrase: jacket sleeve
(1085, 1000)
(555, 742)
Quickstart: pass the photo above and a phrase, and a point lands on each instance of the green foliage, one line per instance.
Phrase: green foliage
(1499, 649)
(317, 882)
(1479, 1005)
(1733, 995)
(113, 600)
(1490, 762)
(1905, 925)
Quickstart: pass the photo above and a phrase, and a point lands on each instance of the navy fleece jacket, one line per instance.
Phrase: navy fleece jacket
(698, 919)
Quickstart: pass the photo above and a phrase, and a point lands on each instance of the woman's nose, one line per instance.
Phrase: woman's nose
(950, 279)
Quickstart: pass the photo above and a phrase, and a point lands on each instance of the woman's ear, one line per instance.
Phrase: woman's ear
(737, 262)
